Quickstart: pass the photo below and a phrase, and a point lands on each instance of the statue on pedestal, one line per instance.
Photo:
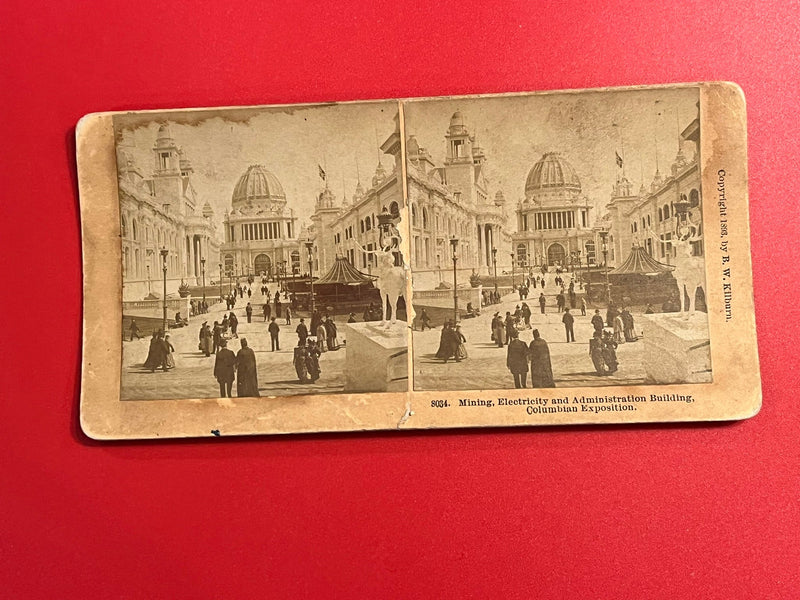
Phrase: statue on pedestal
(391, 280)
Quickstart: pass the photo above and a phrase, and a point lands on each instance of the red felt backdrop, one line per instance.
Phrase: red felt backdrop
(692, 511)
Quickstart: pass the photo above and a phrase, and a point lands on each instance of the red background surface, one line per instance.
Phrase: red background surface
(689, 511)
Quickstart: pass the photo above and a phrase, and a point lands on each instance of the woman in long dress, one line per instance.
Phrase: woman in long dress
(627, 324)
(610, 352)
(169, 361)
(321, 336)
(155, 353)
(596, 353)
(246, 372)
(459, 339)
(446, 349)
(618, 329)
(498, 330)
(299, 360)
(312, 360)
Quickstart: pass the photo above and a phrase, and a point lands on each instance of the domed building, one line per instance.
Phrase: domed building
(260, 230)
(554, 220)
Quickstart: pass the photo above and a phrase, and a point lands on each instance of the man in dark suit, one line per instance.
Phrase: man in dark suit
(302, 332)
(224, 368)
(568, 321)
(274, 329)
(597, 320)
(542, 301)
(517, 361)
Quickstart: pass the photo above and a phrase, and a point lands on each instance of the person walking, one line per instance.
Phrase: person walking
(274, 329)
(169, 361)
(596, 352)
(542, 302)
(267, 309)
(312, 360)
(249, 312)
(517, 361)
(299, 360)
(568, 321)
(627, 325)
(425, 320)
(583, 306)
(460, 342)
(302, 331)
(526, 315)
(597, 320)
(224, 370)
(234, 323)
(618, 329)
(322, 335)
(331, 331)
(610, 352)
(316, 319)
(541, 369)
(288, 315)
(155, 353)
(278, 304)
(134, 329)
(560, 301)
(246, 372)
(498, 330)
(510, 328)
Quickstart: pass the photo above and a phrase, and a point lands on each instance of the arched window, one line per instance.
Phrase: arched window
(413, 214)
(394, 209)
(648, 220)
(666, 212)
(135, 231)
(424, 218)
(367, 224)
(694, 198)
(660, 214)
(361, 225)
(124, 227)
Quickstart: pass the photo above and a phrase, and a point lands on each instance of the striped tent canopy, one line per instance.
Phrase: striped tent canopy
(640, 262)
(342, 272)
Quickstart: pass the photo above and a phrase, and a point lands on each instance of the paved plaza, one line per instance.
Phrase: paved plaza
(193, 375)
(485, 367)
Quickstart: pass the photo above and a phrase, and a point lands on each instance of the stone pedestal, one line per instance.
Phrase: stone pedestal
(676, 349)
(376, 357)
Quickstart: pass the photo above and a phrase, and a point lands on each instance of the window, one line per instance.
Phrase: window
(413, 214)
(164, 160)
(394, 210)
(424, 218)
(694, 198)
(124, 227)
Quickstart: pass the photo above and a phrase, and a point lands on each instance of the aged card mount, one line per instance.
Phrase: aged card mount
(499, 260)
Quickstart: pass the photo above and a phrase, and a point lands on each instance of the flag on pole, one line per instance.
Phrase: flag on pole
(322, 173)
(619, 159)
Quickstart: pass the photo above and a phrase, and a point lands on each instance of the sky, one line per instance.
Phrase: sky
(289, 141)
(586, 128)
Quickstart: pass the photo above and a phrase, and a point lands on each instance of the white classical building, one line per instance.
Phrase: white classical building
(454, 200)
(260, 229)
(162, 212)
(648, 219)
(554, 221)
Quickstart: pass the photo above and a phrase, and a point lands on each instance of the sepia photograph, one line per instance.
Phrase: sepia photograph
(261, 252)
(557, 240)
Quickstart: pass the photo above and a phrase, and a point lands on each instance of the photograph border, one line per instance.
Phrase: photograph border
(735, 392)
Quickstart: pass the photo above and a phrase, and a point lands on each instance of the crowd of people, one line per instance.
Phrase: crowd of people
(452, 342)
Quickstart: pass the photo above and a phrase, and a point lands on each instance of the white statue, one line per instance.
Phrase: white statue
(689, 269)
(391, 280)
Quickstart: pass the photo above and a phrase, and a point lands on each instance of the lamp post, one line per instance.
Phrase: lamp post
(220, 282)
(148, 279)
(513, 281)
(603, 235)
(309, 246)
(203, 271)
(494, 263)
(454, 244)
(580, 274)
(164, 253)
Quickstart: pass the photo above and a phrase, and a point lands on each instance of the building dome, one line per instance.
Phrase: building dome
(457, 124)
(257, 185)
(552, 172)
